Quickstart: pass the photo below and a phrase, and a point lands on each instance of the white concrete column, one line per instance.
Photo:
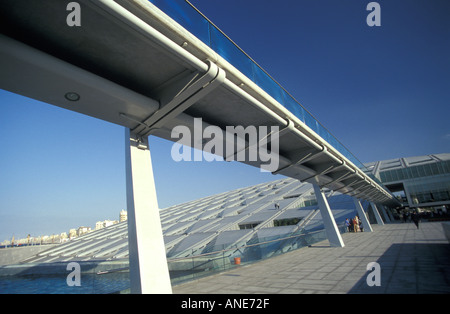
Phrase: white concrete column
(149, 272)
(362, 215)
(389, 212)
(377, 214)
(383, 212)
(334, 237)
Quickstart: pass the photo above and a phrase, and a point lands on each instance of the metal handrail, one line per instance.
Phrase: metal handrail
(242, 247)
(219, 251)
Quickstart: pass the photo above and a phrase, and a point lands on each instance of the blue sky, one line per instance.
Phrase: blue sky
(384, 92)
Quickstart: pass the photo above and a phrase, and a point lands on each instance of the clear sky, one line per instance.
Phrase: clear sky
(384, 92)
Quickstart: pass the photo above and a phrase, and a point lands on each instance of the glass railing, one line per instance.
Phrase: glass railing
(107, 277)
(224, 257)
(196, 23)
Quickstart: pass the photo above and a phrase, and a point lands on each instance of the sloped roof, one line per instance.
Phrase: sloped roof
(213, 222)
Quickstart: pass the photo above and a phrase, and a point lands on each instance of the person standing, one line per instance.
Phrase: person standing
(347, 223)
(355, 224)
(416, 219)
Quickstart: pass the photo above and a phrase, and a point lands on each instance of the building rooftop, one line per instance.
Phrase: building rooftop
(216, 222)
(405, 162)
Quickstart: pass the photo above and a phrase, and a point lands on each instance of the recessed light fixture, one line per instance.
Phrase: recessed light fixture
(72, 96)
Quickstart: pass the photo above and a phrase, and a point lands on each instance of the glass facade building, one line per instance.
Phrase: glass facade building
(424, 181)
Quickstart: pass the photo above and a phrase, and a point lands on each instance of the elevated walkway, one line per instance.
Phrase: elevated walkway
(411, 261)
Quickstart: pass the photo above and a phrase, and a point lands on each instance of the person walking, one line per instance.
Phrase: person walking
(347, 223)
(355, 224)
(416, 219)
(360, 225)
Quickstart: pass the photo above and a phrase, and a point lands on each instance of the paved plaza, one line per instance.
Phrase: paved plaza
(411, 260)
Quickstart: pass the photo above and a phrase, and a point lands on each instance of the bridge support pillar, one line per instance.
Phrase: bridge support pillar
(334, 237)
(149, 272)
(384, 213)
(362, 216)
(377, 214)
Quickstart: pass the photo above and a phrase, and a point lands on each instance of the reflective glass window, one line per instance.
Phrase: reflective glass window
(446, 166)
(402, 174)
(434, 169)
(421, 171)
(388, 176)
(428, 170)
(394, 175)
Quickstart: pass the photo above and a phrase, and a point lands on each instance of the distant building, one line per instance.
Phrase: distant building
(98, 225)
(105, 223)
(72, 233)
(422, 181)
(63, 237)
(83, 230)
(123, 215)
(283, 208)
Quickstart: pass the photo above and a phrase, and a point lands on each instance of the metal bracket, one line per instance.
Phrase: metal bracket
(139, 141)
(339, 178)
(182, 100)
(308, 155)
(268, 138)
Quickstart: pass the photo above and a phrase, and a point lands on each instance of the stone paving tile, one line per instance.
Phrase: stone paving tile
(411, 261)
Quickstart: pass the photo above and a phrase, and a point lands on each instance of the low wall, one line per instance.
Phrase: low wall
(60, 268)
(199, 264)
(16, 255)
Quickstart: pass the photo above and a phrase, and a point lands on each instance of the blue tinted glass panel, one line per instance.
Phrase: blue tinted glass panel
(323, 133)
(341, 148)
(290, 104)
(225, 48)
(186, 16)
(332, 140)
(446, 166)
(266, 83)
(409, 173)
(311, 122)
(394, 175)
(355, 161)
(434, 169)
(195, 23)
(402, 175)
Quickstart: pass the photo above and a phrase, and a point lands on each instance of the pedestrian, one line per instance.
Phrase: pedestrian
(416, 219)
(347, 223)
(355, 224)
(405, 216)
